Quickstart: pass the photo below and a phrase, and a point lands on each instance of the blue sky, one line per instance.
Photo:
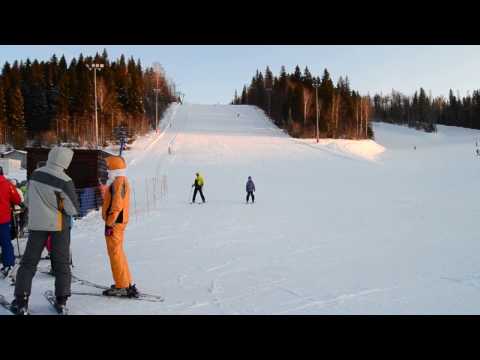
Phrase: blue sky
(210, 74)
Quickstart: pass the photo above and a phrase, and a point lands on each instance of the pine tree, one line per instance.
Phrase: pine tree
(235, 98)
(121, 82)
(307, 77)
(35, 101)
(325, 94)
(414, 110)
(61, 116)
(268, 78)
(83, 90)
(52, 92)
(261, 93)
(252, 92)
(3, 114)
(134, 89)
(297, 75)
(422, 106)
(283, 79)
(104, 58)
(15, 116)
(244, 99)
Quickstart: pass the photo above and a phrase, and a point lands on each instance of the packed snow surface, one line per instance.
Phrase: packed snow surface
(338, 227)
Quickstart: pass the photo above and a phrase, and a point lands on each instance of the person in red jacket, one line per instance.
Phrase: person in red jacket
(8, 198)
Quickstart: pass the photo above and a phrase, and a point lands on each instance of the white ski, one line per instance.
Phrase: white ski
(50, 296)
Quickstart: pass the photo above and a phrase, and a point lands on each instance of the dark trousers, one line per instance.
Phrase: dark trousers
(13, 227)
(250, 193)
(198, 189)
(60, 258)
(8, 256)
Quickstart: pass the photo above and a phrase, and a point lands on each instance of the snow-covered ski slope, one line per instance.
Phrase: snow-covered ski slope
(340, 227)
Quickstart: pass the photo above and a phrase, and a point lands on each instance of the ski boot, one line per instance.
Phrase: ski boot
(19, 305)
(61, 304)
(13, 274)
(133, 292)
(6, 271)
(130, 292)
(114, 291)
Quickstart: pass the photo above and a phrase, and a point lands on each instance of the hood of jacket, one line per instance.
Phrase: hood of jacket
(59, 158)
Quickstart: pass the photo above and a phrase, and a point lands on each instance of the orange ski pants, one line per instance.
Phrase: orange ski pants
(118, 259)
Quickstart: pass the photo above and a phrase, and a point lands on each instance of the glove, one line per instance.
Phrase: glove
(108, 230)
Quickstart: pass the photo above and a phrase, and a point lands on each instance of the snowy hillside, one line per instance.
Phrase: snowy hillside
(340, 227)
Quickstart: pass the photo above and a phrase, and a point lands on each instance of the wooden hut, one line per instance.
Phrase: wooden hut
(87, 169)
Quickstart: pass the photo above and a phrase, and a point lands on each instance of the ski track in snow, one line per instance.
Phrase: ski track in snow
(331, 302)
(338, 227)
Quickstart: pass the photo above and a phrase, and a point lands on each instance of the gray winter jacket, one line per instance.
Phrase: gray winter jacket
(250, 185)
(51, 197)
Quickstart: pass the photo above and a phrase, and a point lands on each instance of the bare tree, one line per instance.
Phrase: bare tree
(307, 96)
(365, 113)
(337, 113)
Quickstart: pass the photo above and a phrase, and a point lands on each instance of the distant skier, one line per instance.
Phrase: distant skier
(115, 211)
(198, 184)
(250, 187)
(51, 200)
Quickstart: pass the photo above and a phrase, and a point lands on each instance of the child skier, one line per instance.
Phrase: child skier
(250, 187)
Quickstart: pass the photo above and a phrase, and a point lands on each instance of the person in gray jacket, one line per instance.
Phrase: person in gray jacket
(250, 187)
(51, 202)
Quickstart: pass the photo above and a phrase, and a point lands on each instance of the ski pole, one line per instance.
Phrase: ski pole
(190, 196)
(15, 223)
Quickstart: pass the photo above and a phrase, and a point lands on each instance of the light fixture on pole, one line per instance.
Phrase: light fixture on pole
(316, 85)
(181, 96)
(95, 67)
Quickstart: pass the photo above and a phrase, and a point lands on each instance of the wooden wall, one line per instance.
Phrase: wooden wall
(86, 168)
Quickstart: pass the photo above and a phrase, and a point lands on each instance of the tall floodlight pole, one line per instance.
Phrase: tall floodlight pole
(95, 67)
(156, 106)
(158, 71)
(316, 85)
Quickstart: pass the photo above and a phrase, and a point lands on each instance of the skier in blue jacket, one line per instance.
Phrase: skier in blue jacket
(250, 187)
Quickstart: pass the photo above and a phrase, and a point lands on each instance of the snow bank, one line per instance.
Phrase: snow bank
(363, 149)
